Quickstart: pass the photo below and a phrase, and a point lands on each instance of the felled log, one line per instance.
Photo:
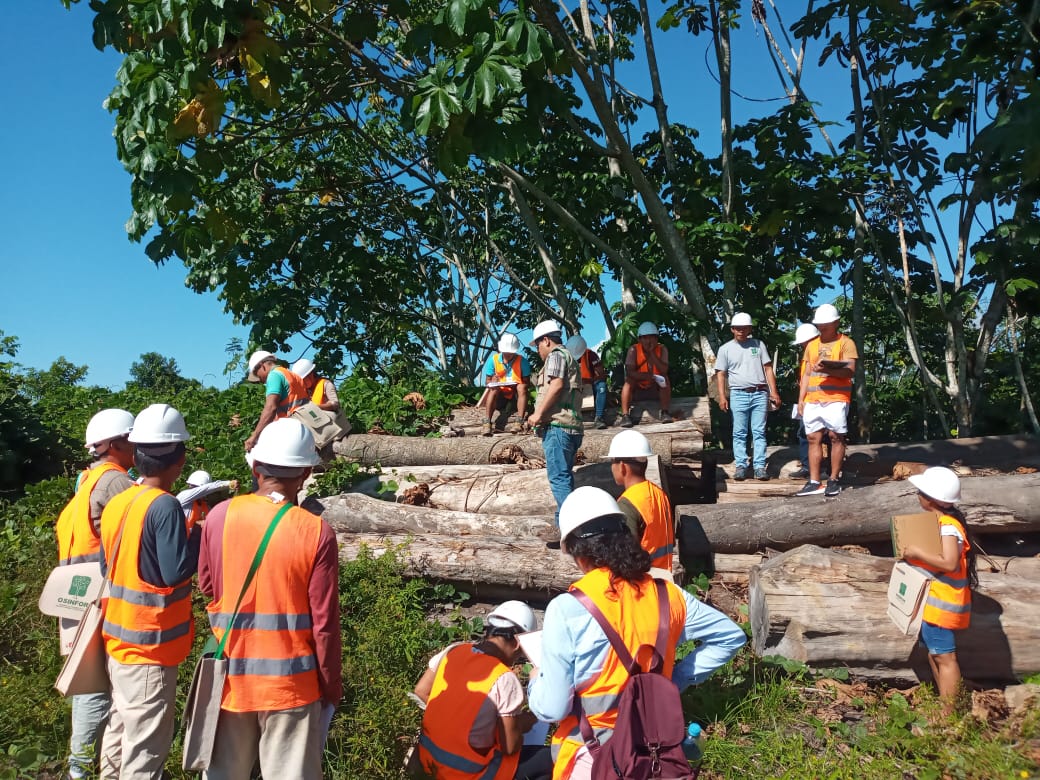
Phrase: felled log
(694, 411)
(369, 449)
(1002, 504)
(827, 609)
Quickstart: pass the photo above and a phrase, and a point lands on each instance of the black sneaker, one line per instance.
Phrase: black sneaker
(762, 475)
(811, 489)
(553, 545)
(599, 424)
(833, 488)
(740, 473)
(627, 420)
(802, 473)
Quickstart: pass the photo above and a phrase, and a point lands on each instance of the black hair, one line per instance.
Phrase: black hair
(637, 465)
(618, 550)
(150, 464)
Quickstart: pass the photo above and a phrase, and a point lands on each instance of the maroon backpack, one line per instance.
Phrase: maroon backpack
(647, 740)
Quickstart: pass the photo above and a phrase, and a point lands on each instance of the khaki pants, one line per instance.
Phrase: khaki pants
(140, 726)
(289, 744)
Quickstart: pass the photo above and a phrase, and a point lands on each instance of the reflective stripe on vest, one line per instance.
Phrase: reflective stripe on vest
(78, 541)
(637, 604)
(824, 387)
(949, 598)
(656, 511)
(271, 660)
(463, 680)
(296, 397)
(144, 623)
(503, 373)
(643, 365)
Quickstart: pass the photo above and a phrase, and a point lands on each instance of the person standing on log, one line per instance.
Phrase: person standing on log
(592, 372)
(646, 375)
(647, 509)
(507, 374)
(475, 720)
(947, 608)
(824, 396)
(744, 361)
(557, 413)
(803, 334)
(285, 391)
(580, 675)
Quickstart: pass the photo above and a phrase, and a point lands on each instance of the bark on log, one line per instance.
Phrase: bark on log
(829, 609)
(370, 449)
(1002, 504)
(692, 411)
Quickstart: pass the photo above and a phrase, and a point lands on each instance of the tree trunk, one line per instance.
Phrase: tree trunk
(992, 505)
(690, 413)
(828, 608)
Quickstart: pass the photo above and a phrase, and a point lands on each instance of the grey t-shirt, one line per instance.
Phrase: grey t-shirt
(110, 485)
(744, 363)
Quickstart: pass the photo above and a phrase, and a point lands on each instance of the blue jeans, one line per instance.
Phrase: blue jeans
(749, 406)
(89, 715)
(599, 393)
(803, 444)
(560, 447)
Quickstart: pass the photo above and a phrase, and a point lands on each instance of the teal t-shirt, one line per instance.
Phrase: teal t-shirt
(277, 385)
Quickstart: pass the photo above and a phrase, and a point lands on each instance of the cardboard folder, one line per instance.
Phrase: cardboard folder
(920, 530)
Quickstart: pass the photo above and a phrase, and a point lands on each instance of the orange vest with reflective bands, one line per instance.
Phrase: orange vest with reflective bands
(297, 396)
(318, 396)
(656, 510)
(78, 541)
(504, 373)
(460, 687)
(824, 387)
(271, 659)
(144, 624)
(643, 365)
(633, 612)
(948, 604)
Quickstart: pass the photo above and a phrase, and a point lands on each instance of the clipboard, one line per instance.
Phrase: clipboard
(834, 364)
(531, 644)
(920, 530)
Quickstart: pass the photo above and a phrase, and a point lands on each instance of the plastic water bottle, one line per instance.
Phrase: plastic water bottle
(693, 746)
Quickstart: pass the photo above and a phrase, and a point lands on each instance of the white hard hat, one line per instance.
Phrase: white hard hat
(255, 360)
(303, 367)
(586, 504)
(741, 320)
(805, 332)
(576, 346)
(629, 444)
(938, 483)
(827, 313)
(159, 424)
(545, 328)
(647, 329)
(199, 478)
(513, 614)
(509, 343)
(108, 424)
(285, 442)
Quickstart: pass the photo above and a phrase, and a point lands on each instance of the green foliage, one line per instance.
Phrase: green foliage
(339, 476)
(380, 402)
(156, 373)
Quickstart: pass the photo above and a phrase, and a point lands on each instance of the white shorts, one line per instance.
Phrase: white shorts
(832, 415)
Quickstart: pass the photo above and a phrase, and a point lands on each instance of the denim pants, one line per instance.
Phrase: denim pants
(749, 406)
(599, 393)
(89, 715)
(803, 444)
(560, 446)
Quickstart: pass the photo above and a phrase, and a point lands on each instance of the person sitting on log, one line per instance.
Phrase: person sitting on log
(646, 375)
(647, 509)
(592, 373)
(947, 608)
(475, 720)
(507, 375)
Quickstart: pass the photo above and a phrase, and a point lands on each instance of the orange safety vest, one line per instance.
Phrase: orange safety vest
(656, 511)
(633, 611)
(199, 510)
(824, 387)
(144, 624)
(318, 396)
(271, 658)
(463, 681)
(78, 540)
(504, 373)
(297, 396)
(643, 365)
(949, 598)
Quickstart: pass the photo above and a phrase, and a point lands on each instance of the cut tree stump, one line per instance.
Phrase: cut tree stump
(828, 609)
(1002, 504)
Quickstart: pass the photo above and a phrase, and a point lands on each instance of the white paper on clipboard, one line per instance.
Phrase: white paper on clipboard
(531, 643)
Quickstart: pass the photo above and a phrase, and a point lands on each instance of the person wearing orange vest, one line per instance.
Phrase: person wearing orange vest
(201, 492)
(284, 651)
(322, 391)
(824, 396)
(947, 607)
(285, 391)
(578, 664)
(150, 558)
(646, 507)
(803, 334)
(507, 374)
(474, 721)
(79, 541)
(592, 373)
(646, 375)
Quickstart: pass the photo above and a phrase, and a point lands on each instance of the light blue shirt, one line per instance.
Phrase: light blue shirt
(277, 384)
(574, 649)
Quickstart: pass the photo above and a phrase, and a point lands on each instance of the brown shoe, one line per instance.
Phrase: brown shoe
(486, 429)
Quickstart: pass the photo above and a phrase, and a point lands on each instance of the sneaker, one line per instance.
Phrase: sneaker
(599, 424)
(811, 489)
(665, 416)
(833, 488)
(553, 545)
(486, 429)
(628, 420)
(762, 475)
(740, 473)
(802, 473)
